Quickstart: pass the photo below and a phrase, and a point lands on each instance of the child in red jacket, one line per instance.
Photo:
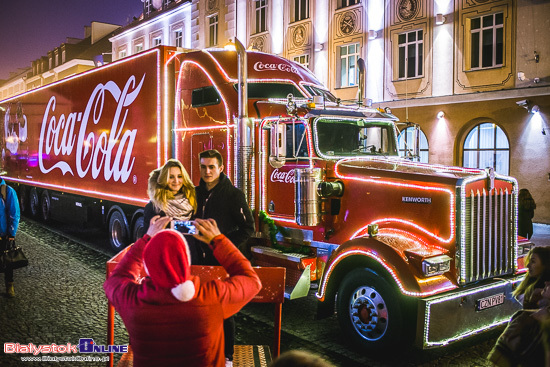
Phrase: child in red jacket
(172, 318)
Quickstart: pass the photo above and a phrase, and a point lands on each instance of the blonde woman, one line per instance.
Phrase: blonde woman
(171, 192)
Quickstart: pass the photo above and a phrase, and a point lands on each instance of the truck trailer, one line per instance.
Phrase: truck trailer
(400, 250)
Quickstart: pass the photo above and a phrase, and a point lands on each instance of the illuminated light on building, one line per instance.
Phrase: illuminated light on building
(140, 202)
(427, 315)
(369, 253)
(278, 31)
(164, 20)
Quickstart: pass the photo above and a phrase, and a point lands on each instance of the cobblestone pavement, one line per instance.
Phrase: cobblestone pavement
(59, 299)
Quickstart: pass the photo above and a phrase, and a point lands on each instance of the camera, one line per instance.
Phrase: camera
(184, 226)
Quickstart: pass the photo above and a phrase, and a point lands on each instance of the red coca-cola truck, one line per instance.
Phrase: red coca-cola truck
(397, 248)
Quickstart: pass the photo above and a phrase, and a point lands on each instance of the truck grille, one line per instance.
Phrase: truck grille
(489, 235)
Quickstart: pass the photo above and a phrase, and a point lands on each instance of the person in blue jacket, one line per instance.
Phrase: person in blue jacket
(9, 221)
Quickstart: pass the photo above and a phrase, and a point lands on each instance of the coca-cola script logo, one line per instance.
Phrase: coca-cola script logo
(282, 176)
(107, 151)
(260, 66)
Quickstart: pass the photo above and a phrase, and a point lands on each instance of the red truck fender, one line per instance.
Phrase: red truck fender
(387, 258)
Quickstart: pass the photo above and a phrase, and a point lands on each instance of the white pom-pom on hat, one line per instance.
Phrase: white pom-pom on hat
(184, 291)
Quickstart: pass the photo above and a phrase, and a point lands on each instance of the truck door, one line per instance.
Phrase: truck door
(204, 119)
(288, 149)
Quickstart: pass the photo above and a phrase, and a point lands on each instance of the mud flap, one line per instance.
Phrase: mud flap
(301, 289)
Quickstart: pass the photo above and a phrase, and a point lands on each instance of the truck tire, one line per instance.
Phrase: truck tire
(45, 206)
(369, 311)
(118, 231)
(34, 202)
(137, 230)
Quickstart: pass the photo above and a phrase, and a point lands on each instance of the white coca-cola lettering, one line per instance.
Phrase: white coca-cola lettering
(59, 134)
(260, 66)
(282, 176)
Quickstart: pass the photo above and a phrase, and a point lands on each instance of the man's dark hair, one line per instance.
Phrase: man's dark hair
(212, 153)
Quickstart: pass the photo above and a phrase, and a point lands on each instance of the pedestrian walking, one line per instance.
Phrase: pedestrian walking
(172, 317)
(9, 222)
(526, 212)
(218, 199)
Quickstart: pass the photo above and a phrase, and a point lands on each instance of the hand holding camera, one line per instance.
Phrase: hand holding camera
(207, 229)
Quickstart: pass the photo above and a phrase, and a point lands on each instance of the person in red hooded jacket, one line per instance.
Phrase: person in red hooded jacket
(172, 318)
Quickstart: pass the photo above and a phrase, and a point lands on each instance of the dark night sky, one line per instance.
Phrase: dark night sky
(31, 28)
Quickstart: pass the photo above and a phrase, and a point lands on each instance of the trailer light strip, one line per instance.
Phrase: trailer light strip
(460, 295)
(218, 127)
(321, 294)
(86, 192)
(228, 125)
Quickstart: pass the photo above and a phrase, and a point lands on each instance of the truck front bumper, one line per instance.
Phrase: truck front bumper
(458, 314)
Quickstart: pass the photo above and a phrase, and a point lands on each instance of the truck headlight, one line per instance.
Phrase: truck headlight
(436, 265)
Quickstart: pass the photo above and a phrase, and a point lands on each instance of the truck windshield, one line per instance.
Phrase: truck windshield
(340, 137)
(272, 90)
(314, 91)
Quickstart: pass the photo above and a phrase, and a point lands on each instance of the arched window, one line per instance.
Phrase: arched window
(487, 146)
(405, 141)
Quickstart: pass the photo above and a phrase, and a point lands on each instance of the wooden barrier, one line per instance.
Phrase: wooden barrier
(273, 288)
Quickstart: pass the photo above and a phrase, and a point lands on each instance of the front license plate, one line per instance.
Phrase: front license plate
(491, 301)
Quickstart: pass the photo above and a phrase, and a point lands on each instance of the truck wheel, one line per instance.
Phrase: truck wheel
(45, 205)
(369, 310)
(118, 230)
(138, 232)
(34, 202)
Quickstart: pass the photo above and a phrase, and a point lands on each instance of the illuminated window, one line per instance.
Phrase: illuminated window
(487, 41)
(405, 141)
(261, 15)
(487, 146)
(411, 47)
(302, 60)
(346, 3)
(349, 54)
(63, 57)
(300, 11)
(122, 53)
(138, 47)
(213, 28)
(178, 37)
(157, 41)
(148, 7)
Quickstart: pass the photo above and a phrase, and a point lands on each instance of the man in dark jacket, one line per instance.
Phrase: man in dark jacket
(218, 199)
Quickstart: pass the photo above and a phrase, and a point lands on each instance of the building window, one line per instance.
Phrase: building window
(346, 3)
(487, 146)
(405, 141)
(300, 11)
(349, 54)
(63, 56)
(411, 46)
(213, 28)
(157, 41)
(122, 53)
(165, 3)
(487, 41)
(302, 60)
(261, 15)
(178, 38)
(148, 7)
(138, 47)
(51, 62)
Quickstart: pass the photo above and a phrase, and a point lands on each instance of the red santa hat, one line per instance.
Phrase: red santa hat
(167, 261)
